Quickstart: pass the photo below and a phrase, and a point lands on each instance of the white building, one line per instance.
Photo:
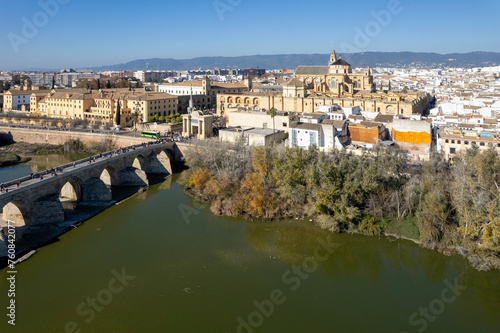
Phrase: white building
(306, 135)
(251, 136)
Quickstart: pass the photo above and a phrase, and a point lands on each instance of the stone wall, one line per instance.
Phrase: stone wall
(60, 137)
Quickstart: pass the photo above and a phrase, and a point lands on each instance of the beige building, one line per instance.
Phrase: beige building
(315, 86)
(100, 107)
(204, 92)
(20, 99)
(453, 144)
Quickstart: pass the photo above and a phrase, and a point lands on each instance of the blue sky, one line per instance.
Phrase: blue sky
(94, 33)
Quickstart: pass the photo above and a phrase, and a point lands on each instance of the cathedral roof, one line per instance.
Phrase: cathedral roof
(294, 83)
(341, 62)
(312, 70)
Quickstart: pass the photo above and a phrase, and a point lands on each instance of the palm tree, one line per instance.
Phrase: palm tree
(291, 116)
(134, 118)
(273, 113)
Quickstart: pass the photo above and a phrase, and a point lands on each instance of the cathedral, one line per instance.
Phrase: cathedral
(336, 79)
(314, 86)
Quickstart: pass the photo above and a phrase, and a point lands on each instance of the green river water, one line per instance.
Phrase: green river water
(161, 262)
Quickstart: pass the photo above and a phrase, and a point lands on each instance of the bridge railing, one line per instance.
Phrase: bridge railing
(78, 162)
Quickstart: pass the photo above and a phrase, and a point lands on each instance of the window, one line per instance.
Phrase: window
(447, 141)
(285, 124)
(481, 143)
(452, 150)
(452, 141)
(466, 142)
(459, 142)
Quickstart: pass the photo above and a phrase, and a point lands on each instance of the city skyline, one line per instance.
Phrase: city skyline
(66, 33)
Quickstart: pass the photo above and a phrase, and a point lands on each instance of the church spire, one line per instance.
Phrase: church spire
(333, 57)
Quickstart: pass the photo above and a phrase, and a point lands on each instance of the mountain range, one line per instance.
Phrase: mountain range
(291, 61)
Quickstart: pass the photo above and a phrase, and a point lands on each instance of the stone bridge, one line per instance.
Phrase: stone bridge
(38, 201)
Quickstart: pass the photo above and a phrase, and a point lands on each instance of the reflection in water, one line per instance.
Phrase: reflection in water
(38, 163)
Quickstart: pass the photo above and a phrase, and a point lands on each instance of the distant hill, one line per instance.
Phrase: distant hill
(291, 61)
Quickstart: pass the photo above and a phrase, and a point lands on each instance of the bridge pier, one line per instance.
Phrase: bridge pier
(131, 176)
(47, 209)
(94, 189)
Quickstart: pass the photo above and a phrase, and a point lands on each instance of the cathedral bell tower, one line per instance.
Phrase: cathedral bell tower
(333, 58)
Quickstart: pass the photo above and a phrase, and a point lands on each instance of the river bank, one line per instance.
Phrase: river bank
(372, 194)
(18, 153)
(26, 149)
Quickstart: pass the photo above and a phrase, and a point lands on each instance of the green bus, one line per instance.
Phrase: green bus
(151, 134)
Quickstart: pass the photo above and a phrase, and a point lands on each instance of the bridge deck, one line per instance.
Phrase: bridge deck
(11, 187)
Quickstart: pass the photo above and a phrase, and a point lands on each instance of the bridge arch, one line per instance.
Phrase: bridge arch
(139, 162)
(164, 160)
(16, 211)
(71, 191)
(109, 176)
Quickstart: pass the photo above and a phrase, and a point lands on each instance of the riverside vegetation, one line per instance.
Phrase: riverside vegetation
(452, 208)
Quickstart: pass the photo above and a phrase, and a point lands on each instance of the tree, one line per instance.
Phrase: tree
(273, 112)
(390, 85)
(405, 89)
(162, 118)
(108, 85)
(291, 116)
(98, 84)
(134, 118)
(118, 115)
(53, 81)
(87, 86)
(6, 86)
